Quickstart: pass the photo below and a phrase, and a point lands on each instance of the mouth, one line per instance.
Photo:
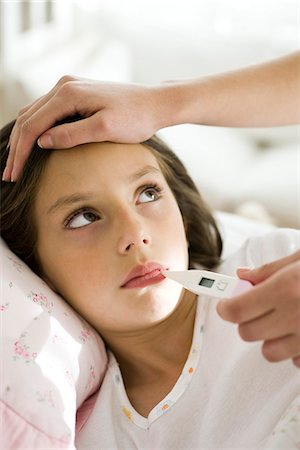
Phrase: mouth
(144, 275)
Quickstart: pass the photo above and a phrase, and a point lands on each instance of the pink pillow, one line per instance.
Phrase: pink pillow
(51, 359)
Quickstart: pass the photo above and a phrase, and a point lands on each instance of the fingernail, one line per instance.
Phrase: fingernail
(45, 141)
(4, 175)
(244, 269)
(13, 176)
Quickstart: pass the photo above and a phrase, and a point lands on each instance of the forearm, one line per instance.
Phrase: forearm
(263, 95)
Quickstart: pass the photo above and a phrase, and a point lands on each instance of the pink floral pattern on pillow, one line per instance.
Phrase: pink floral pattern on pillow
(42, 300)
(52, 359)
(23, 351)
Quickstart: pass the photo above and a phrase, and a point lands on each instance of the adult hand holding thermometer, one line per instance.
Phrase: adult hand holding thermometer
(209, 283)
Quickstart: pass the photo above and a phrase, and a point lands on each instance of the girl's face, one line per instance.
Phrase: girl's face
(107, 222)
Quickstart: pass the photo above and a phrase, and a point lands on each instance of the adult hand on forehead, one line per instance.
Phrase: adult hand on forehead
(111, 112)
(270, 312)
(261, 95)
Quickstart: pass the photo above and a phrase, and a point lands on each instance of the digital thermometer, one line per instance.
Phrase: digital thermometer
(209, 283)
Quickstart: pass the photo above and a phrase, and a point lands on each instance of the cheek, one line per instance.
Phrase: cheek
(174, 233)
(84, 286)
(74, 273)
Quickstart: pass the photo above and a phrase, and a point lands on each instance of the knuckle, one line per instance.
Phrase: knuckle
(106, 129)
(65, 79)
(287, 287)
(26, 126)
(65, 136)
(68, 90)
(293, 282)
(24, 110)
(21, 116)
(106, 126)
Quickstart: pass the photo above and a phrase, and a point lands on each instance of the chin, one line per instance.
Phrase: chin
(164, 302)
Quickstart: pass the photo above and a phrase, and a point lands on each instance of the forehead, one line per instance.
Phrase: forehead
(104, 158)
(87, 165)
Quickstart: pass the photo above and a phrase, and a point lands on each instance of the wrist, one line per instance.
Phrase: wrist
(178, 102)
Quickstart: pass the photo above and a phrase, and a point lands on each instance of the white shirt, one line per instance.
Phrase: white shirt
(227, 397)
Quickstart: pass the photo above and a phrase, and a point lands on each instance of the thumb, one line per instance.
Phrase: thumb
(71, 134)
(260, 274)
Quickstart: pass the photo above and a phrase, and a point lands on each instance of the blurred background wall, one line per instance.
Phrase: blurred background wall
(252, 172)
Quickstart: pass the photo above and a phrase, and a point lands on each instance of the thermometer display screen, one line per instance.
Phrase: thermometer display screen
(206, 282)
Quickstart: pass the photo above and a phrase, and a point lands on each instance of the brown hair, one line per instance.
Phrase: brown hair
(17, 200)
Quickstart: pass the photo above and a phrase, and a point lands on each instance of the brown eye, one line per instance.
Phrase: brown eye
(150, 194)
(81, 219)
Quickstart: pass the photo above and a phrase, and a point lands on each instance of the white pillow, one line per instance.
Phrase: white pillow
(52, 360)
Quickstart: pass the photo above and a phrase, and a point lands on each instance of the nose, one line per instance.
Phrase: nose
(133, 234)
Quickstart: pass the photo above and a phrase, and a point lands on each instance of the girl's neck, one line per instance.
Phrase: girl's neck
(159, 352)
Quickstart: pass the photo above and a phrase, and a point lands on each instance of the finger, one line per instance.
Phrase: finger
(260, 274)
(282, 348)
(90, 129)
(278, 292)
(24, 113)
(21, 112)
(23, 121)
(248, 306)
(32, 128)
(296, 361)
(32, 107)
(11, 154)
(272, 325)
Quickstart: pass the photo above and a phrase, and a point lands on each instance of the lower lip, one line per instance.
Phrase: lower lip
(148, 279)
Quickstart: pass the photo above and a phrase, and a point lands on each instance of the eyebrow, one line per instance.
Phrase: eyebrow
(76, 198)
(142, 172)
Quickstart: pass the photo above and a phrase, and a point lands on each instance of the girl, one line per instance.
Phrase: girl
(99, 222)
